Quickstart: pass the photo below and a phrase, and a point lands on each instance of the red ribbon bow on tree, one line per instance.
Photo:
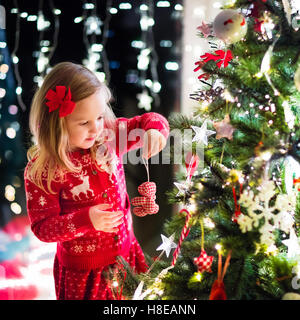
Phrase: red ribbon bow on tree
(61, 100)
(224, 57)
(221, 57)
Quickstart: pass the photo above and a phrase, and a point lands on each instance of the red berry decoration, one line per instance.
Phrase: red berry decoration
(146, 204)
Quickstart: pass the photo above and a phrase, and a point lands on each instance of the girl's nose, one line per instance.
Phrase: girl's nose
(93, 128)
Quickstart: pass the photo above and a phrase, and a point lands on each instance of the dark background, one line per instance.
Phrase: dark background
(124, 27)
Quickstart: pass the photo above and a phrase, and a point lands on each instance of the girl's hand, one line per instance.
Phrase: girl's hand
(154, 142)
(103, 220)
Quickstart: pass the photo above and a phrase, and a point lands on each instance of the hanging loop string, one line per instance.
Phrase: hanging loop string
(202, 234)
(145, 161)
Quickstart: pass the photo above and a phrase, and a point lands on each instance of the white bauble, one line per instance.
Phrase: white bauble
(230, 26)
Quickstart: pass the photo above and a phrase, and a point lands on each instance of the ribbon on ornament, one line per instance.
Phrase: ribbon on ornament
(218, 288)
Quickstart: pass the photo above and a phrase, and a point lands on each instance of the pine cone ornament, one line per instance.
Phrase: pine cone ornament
(146, 204)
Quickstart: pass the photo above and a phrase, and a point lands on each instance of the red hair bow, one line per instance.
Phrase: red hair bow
(61, 100)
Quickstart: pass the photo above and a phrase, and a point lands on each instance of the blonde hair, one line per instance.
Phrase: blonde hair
(51, 144)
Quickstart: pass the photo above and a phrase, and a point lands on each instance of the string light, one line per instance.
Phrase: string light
(46, 47)
(10, 193)
(94, 29)
(15, 59)
(16, 208)
(199, 276)
(125, 6)
(218, 247)
(147, 59)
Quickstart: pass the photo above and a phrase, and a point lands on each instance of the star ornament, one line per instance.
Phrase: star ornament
(205, 29)
(204, 262)
(202, 133)
(224, 128)
(167, 245)
(182, 188)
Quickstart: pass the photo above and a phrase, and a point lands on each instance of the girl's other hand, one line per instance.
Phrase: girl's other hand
(154, 142)
(104, 220)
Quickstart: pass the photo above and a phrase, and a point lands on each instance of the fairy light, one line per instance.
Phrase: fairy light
(125, 6)
(218, 247)
(78, 19)
(163, 4)
(11, 133)
(208, 223)
(113, 10)
(12, 109)
(199, 276)
(19, 90)
(16, 208)
(10, 193)
(178, 7)
(172, 66)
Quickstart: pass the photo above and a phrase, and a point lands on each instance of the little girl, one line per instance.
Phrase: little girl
(74, 180)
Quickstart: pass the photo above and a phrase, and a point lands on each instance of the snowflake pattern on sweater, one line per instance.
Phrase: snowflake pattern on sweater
(63, 217)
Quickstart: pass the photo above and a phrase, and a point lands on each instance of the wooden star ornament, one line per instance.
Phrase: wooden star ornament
(224, 128)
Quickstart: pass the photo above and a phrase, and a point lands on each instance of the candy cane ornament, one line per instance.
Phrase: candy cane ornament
(184, 233)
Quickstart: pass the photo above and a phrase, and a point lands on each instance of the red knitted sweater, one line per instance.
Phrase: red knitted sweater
(64, 216)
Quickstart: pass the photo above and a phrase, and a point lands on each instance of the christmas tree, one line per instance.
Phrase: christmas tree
(237, 233)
